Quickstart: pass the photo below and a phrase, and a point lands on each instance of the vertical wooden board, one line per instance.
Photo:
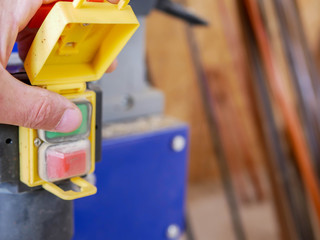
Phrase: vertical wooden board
(218, 59)
(309, 12)
(172, 72)
(223, 56)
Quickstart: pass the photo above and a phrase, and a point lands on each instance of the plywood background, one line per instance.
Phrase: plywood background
(172, 71)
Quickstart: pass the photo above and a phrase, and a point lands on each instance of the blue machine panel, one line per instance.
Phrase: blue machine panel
(141, 189)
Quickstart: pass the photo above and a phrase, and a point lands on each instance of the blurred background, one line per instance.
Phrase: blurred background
(253, 74)
(211, 125)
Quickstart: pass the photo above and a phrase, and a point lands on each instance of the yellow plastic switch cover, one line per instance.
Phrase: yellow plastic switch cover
(76, 43)
(122, 4)
(79, 44)
(29, 168)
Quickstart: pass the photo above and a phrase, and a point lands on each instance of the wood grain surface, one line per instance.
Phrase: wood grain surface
(222, 54)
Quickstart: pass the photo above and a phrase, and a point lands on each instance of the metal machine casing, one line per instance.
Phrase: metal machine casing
(142, 182)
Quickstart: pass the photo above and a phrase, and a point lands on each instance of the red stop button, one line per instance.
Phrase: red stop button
(63, 161)
(65, 165)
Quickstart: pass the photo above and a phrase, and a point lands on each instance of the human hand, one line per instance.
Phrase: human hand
(24, 105)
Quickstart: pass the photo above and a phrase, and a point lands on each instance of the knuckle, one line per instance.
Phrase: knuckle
(40, 113)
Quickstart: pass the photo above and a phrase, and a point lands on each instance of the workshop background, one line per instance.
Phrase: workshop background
(209, 129)
(224, 62)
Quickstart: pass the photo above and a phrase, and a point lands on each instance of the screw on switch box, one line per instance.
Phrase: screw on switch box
(75, 44)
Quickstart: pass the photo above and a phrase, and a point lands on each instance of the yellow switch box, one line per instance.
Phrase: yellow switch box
(76, 44)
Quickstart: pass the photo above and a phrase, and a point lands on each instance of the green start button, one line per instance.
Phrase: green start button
(82, 132)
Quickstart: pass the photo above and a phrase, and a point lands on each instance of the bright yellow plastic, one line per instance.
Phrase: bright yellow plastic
(79, 44)
(29, 152)
(122, 4)
(86, 189)
(67, 88)
(76, 43)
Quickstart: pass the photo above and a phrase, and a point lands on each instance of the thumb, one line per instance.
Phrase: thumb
(34, 107)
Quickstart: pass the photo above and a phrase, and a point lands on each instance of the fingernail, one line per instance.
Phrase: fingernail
(70, 121)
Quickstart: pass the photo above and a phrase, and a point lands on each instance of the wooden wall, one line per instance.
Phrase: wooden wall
(222, 54)
(172, 71)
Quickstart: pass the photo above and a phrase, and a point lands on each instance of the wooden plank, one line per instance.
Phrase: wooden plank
(309, 12)
(172, 72)
(229, 76)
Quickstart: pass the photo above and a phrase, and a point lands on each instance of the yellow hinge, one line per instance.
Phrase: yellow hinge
(67, 88)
